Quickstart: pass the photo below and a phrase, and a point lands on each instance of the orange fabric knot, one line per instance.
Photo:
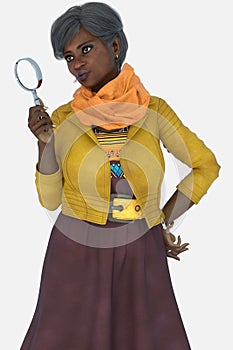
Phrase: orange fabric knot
(120, 103)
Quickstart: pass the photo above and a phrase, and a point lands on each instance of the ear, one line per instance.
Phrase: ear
(116, 46)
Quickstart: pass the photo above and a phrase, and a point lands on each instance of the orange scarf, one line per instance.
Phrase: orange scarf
(119, 103)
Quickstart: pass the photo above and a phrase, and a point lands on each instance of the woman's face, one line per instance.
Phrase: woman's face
(90, 60)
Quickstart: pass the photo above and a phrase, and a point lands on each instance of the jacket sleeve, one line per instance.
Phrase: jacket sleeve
(189, 149)
(49, 187)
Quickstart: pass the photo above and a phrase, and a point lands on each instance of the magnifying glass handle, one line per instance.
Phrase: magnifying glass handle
(37, 100)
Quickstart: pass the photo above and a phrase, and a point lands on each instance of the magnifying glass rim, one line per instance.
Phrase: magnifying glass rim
(37, 71)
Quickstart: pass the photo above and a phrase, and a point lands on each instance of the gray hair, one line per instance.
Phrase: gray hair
(97, 18)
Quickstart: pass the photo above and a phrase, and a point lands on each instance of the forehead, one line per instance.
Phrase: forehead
(81, 38)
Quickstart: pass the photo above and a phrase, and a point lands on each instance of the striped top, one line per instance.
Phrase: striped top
(112, 141)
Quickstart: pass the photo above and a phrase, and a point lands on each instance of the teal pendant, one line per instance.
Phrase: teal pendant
(116, 169)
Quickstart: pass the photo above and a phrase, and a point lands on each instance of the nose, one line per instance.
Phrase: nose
(78, 63)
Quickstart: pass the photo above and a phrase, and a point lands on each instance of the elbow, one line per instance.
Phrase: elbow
(214, 168)
(50, 203)
(50, 206)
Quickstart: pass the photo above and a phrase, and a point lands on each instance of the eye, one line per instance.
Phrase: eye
(87, 49)
(69, 58)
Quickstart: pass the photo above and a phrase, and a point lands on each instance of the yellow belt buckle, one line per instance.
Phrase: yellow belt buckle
(124, 209)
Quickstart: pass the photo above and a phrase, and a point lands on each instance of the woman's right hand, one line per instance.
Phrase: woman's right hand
(40, 124)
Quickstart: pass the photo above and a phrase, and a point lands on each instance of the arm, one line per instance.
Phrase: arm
(189, 149)
(177, 205)
(47, 162)
(48, 174)
(41, 126)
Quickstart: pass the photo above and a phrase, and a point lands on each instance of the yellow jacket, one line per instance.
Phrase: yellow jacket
(82, 183)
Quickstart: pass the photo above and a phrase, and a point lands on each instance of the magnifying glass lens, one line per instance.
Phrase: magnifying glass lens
(27, 75)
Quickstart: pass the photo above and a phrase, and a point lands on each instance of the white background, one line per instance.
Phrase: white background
(182, 51)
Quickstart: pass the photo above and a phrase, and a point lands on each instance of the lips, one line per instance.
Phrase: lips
(82, 75)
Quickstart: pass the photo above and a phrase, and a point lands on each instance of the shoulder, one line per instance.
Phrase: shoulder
(163, 109)
(156, 103)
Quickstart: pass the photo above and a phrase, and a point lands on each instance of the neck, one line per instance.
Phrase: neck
(104, 82)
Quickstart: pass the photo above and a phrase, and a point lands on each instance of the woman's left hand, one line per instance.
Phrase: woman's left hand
(173, 248)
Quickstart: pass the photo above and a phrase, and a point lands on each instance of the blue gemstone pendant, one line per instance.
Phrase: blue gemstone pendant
(116, 169)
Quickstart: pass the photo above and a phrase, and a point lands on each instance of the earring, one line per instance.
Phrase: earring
(116, 57)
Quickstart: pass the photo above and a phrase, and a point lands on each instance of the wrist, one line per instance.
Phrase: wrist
(45, 145)
(166, 225)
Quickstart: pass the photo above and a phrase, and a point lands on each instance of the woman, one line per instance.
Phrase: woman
(105, 281)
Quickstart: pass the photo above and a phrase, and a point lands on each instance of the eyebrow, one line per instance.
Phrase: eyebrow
(79, 46)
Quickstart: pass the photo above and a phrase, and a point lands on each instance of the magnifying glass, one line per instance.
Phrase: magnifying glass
(31, 81)
(23, 71)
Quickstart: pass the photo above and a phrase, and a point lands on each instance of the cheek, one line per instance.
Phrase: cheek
(110, 57)
(106, 58)
(70, 69)
(112, 61)
(107, 65)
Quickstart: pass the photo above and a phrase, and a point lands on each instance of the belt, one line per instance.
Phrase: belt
(123, 208)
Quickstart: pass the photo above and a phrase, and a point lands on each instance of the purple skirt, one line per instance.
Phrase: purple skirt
(114, 298)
